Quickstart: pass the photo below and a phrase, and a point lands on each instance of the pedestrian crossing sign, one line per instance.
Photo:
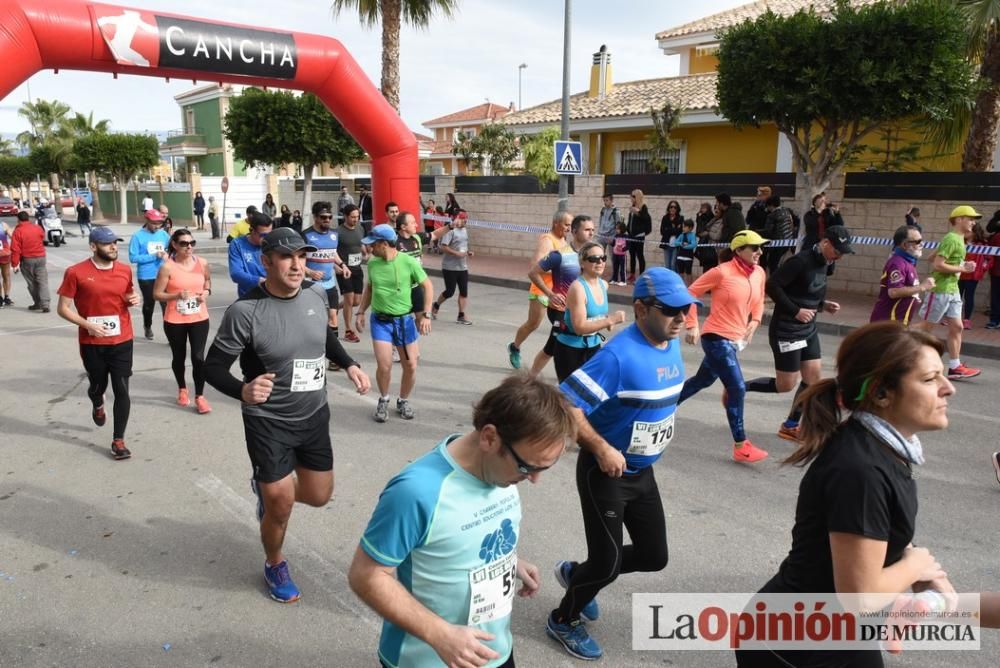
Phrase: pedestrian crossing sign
(569, 157)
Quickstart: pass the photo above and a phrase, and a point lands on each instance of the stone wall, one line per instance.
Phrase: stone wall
(859, 273)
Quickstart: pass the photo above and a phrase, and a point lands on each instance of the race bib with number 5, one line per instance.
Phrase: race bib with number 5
(308, 375)
(493, 588)
(354, 259)
(110, 323)
(188, 306)
(651, 438)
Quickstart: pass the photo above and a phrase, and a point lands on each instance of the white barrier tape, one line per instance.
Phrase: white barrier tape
(776, 243)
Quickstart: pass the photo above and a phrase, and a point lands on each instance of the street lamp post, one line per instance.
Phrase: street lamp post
(520, 68)
(564, 180)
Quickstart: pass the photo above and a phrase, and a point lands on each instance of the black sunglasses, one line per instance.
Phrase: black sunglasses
(185, 244)
(325, 216)
(596, 258)
(523, 467)
(669, 311)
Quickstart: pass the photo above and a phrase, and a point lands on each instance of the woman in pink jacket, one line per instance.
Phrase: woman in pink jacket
(737, 288)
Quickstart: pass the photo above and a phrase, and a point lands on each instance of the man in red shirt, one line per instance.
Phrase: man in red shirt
(27, 255)
(95, 295)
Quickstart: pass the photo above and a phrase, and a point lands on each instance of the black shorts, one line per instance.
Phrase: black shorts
(99, 361)
(556, 318)
(278, 447)
(355, 284)
(791, 361)
(568, 359)
(455, 278)
(333, 297)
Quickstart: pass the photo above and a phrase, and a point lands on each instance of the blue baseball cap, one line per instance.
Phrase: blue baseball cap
(100, 234)
(381, 232)
(665, 286)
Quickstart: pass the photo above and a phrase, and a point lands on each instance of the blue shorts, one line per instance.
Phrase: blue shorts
(397, 330)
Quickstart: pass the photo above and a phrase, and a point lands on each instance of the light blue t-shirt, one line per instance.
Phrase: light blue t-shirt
(629, 392)
(321, 259)
(450, 536)
(142, 251)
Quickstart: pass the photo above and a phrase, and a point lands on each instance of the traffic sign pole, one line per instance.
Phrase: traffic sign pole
(564, 180)
(224, 186)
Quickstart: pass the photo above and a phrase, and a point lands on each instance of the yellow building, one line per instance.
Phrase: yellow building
(440, 159)
(613, 120)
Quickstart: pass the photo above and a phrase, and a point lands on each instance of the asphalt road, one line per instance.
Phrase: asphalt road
(156, 561)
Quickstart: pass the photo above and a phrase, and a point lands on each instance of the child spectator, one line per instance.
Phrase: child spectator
(618, 253)
(686, 244)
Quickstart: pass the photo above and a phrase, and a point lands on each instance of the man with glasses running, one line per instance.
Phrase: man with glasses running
(324, 265)
(624, 400)
(900, 289)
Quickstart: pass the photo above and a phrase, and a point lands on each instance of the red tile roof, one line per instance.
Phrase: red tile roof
(485, 111)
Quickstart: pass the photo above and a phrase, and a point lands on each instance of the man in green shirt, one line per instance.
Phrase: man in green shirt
(943, 305)
(391, 274)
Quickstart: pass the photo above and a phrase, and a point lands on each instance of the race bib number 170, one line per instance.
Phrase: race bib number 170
(651, 438)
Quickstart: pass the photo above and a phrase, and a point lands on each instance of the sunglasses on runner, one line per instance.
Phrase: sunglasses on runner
(596, 258)
(185, 244)
(325, 216)
(669, 311)
(523, 467)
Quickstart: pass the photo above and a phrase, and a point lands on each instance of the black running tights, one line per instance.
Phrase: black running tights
(123, 404)
(609, 504)
(178, 335)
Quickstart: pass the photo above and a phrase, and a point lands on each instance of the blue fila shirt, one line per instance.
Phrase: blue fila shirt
(452, 539)
(321, 259)
(629, 392)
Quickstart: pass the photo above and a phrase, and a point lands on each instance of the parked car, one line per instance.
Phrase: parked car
(66, 200)
(7, 207)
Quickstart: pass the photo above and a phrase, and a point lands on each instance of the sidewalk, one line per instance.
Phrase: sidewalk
(512, 272)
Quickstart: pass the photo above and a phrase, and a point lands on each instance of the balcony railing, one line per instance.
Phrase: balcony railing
(185, 136)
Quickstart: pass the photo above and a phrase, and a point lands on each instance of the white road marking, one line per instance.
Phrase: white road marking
(243, 511)
(39, 329)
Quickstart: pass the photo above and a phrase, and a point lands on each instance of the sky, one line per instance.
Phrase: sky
(453, 65)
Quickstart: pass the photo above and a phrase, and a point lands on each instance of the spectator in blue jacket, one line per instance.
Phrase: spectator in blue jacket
(146, 251)
(245, 267)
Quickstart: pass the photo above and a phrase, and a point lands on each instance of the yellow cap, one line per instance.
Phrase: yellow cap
(746, 238)
(964, 211)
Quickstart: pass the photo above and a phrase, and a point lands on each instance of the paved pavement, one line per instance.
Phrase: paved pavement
(156, 561)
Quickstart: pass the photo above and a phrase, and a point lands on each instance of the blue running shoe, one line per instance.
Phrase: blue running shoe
(591, 611)
(575, 639)
(260, 501)
(279, 583)
(514, 355)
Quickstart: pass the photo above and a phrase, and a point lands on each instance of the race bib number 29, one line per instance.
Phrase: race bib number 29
(110, 323)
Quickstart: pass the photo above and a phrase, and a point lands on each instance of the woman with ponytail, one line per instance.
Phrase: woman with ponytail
(857, 505)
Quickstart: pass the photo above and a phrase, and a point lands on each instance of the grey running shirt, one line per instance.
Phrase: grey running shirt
(457, 240)
(286, 337)
(349, 246)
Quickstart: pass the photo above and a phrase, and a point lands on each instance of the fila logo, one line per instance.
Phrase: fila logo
(667, 373)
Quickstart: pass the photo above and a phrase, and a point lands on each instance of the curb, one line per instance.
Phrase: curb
(830, 328)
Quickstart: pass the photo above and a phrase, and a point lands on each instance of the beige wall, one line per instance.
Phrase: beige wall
(859, 273)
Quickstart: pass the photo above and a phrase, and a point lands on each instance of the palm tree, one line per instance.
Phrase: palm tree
(6, 148)
(84, 126)
(46, 119)
(984, 119)
(391, 13)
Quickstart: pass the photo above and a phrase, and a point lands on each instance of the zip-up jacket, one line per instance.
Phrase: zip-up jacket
(736, 299)
(26, 241)
(147, 264)
(798, 283)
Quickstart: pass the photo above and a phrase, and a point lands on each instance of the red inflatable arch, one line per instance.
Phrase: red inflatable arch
(63, 34)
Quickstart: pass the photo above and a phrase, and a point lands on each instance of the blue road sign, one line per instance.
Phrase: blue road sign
(569, 157)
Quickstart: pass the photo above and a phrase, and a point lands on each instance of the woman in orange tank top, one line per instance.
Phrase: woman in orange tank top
(183, 284)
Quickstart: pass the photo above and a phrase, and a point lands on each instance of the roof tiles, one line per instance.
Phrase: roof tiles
(750, 11)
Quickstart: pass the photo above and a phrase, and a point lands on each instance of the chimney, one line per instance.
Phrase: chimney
(600, 74)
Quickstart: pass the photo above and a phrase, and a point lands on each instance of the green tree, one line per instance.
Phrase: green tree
(278, 128)
(665, 121)
(391, 14)
(15, 172)
(826, 84)
(982, 119)
(494, 145)
(6, 148)
(123, 156)
(46, 119)
(539, 160)
(80, 126)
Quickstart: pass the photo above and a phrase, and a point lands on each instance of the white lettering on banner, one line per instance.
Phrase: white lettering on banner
(651, 438)
(188, 306)
(170, 43)
(789, 346)
(493, 587)
(308, 375)
(354, 260)
(110, 323)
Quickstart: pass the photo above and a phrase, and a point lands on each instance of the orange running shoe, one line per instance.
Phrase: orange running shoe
(792, 434)
(961, 372)
(748, 453)
(182, 397)
(202, 404)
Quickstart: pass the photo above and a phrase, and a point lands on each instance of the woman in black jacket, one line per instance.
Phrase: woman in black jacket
(671, 226)
(856, 513)
(640, 223)
(451, 207)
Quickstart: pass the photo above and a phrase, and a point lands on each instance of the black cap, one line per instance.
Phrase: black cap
(285, 240)
(840, 237)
